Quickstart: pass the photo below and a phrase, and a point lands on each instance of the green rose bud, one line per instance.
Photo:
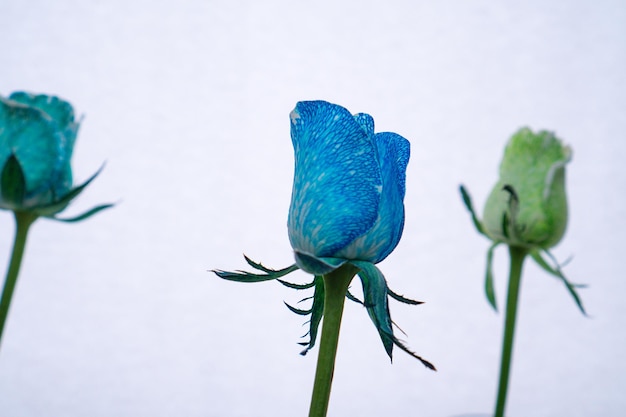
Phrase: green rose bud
(528, 207)
(527, 211)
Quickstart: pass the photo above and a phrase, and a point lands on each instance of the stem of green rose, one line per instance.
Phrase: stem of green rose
(517, 255)
(23, 221)
(335, 287)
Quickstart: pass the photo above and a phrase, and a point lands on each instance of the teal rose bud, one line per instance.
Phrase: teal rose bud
(528, 206)
(527, 211)
(37, 136)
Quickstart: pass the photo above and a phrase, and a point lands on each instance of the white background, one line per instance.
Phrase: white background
(188, 103)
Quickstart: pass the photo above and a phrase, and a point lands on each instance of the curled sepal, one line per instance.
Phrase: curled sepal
(490, 291)
(49, 210)
(84, 215)
(375, 294)
(557, 272)
(467, 200)
(317, 311)
(244, 276)
(298, 311)
(402, 298)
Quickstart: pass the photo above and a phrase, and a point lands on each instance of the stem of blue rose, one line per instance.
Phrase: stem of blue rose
(23, 221)
(517, 256)
(335, 287)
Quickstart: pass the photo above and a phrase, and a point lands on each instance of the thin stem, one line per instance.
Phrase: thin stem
(335, 288)
(23, 221)
(517, 255)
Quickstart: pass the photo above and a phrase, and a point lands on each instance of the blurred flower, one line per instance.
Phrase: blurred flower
(37, 135)
(527, 208)
(348, 190)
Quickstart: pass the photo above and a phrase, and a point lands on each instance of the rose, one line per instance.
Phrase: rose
(348, 190)
(37, 136)
(527, 206)
(346, 215)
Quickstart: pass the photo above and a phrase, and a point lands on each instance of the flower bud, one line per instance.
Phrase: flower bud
(37, 135)
(528, 207)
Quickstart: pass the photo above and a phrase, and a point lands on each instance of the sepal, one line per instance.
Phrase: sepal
(375, 292)
(317, 266)
(49, 210)
(557, 272)
(490, 291)
(317, 312)
(244, 276)
(467, 200)
(13, 182)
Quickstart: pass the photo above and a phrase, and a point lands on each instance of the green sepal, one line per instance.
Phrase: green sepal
(298, 311)
(49, 210)
(83, 216)
(375, 294)
(351, 297)
(467, 200)
(317, 311)
(244, 276)
(402, 298)
(556, 271)
(297, 286)
(13, 182)
(510, 229)
(490, 291)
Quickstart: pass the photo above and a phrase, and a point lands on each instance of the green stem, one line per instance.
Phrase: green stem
(335, 288)
(517, 255)
(23, 221)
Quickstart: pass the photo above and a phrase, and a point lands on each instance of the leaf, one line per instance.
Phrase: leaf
(470, 207)
(13, 182)
(490, 291)
(556, 271)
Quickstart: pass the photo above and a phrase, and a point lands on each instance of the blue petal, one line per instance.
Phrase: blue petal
(383, 237)
(337, 180)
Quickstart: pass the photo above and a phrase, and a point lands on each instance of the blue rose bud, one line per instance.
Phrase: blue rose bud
(346, 215)
(349, 186)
